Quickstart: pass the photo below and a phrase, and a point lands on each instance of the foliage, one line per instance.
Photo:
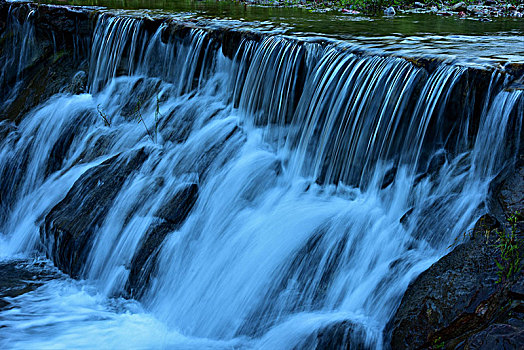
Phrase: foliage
(438, 343)
(369, 6)
(508, 245)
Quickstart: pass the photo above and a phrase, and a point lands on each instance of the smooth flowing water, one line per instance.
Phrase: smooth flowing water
(326, 181)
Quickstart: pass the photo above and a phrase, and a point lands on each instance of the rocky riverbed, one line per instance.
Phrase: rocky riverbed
(482, 10)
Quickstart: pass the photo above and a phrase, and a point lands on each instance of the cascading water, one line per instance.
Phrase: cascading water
(315, 184)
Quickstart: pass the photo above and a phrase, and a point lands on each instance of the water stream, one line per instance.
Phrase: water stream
(325, 181)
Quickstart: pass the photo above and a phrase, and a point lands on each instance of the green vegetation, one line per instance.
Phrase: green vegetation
(438, 343)
(369, 6)
(508, 244)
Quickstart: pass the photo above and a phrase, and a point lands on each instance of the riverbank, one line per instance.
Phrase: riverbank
(480, 9)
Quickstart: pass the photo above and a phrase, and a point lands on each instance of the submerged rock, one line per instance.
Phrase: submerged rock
(18, 277)
(172, 214)
(68, 230)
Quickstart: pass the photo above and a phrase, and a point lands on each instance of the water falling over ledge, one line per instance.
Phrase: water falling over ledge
(251, 196)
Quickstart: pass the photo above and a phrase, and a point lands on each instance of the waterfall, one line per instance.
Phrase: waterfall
(253, 201)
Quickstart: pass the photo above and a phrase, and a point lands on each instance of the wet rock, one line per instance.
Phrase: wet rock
(417, 4)
(497, 336)
(142, 92)
(177, 125)
(145, 258)
(459, 7)
(458, 302)
(173, 214)
(389, 177)
(69, 227)
(338, 335)
(18, 277)
(516, 291)
(65, 19)
(390, 11)
(176, 209)
(212, 154)
(231, 40)
(454, 296)
(510, 192)
(61, 148)
(78, 84)
(405, 218)
(437, 162)
(55, 57)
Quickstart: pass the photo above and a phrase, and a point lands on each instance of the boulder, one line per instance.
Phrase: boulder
(176, 209)
(78, 83)
(498, 336)
(459, 7)
(19, 277)
(459, 302)
(455, 295)
(70, 226)
(338, 335)
(390, 11)
(172, 215)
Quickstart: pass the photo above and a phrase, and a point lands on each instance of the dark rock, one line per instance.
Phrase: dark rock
(18, 277)
(203, 160)
(232, 39)
(459, 7)
(389, 177)
(516, 291)
(436, 162)
(145, 258)
(69, 227)
(405, 218)
(55, 57)
(454, 296)
(64, 19)
(176, 209)
(142, 91)
(78, 84)
(458, 302)
(497, 336)
(338, 335)
(61, 148)
(174, 213)
(510, 193)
